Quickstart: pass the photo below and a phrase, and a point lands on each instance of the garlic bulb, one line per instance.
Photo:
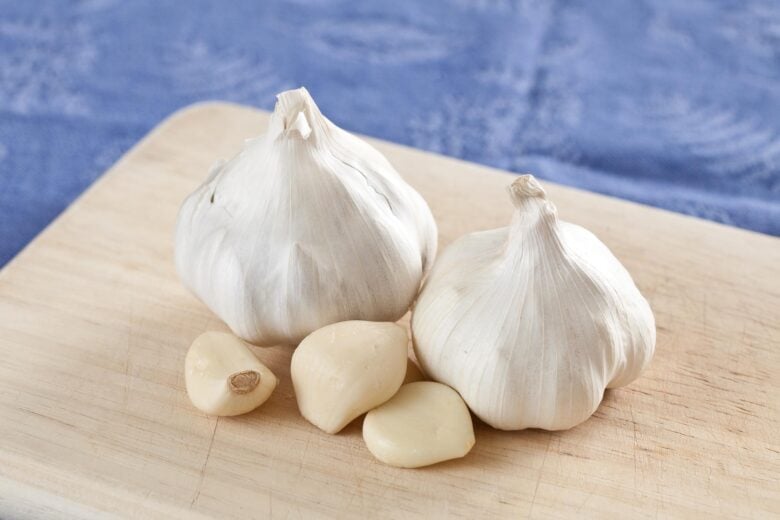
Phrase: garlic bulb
(530, 323)
(308, 225)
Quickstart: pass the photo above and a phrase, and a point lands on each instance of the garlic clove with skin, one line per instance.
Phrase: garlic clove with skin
(224, 377)
(345, 369)
(530, 323)
(308, 225)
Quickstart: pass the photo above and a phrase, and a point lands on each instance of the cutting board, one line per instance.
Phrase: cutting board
(94, 326)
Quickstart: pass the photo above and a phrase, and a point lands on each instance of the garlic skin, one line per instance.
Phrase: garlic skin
(224, 377)
(531, 322)
(308, 225)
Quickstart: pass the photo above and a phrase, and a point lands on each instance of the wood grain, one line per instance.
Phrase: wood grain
(94, 326)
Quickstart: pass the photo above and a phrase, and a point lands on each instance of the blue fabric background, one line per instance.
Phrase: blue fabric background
(674, 104)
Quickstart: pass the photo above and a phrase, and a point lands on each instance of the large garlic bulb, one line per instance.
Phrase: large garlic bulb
(308, 225)
(531, 322)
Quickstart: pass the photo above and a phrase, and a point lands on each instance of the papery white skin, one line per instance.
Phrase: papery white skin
(308, 225)
(531, 322)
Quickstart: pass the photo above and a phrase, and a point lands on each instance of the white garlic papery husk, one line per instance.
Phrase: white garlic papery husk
(531, 322)
(308, 225)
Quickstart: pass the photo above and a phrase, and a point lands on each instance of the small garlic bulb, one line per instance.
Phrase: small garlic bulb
(308, 225)
(530, 323)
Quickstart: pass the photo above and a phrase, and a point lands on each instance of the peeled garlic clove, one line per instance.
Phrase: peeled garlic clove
(343, 370)
(224, 377)
(308, 225)
(530, 323)
(413, 372)
(424, 423)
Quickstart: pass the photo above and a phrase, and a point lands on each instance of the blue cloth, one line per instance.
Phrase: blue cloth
(671, 103)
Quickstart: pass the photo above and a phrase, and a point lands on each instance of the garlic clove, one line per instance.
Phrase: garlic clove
(345, 369)
(308, 225)
(530, 323)
(413, 372)
(424, 423)
(224, 377)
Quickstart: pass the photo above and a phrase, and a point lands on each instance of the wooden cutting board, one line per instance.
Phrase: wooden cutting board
(94, 326)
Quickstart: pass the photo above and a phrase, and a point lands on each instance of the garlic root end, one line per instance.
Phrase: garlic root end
(243, 382)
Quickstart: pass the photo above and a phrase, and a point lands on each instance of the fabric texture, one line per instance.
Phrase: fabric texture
(670, 103)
